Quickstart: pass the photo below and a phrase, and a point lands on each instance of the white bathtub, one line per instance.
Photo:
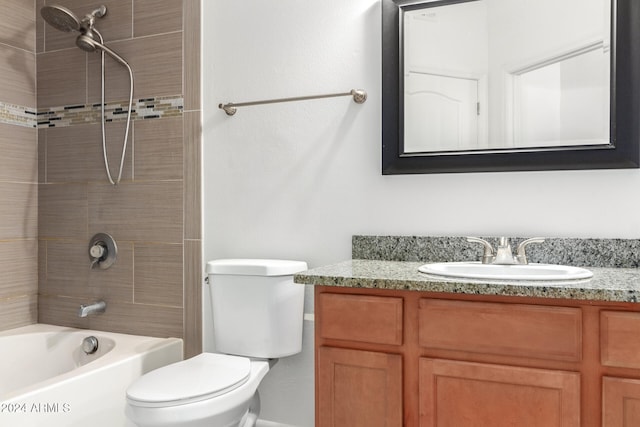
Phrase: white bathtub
(46, 379)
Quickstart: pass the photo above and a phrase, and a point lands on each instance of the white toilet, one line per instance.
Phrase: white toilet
(257, 317)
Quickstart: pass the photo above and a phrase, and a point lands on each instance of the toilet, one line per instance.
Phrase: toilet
(257, 318)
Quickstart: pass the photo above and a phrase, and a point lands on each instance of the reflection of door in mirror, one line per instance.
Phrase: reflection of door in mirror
(445, 78)
(441, 113)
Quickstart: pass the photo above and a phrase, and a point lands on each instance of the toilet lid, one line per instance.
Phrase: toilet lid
(202, 377)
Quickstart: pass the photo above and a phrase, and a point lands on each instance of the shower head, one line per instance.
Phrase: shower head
(60, 18)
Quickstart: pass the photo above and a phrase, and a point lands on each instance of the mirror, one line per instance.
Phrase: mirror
(505, 85)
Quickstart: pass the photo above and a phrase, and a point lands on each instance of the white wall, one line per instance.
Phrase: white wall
(298, 180)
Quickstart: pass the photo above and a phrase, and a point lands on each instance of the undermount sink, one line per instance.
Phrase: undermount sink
(477, 270)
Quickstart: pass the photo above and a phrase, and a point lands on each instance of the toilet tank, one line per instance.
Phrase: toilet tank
(257, 308)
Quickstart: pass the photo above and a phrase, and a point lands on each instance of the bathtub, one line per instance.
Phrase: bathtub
(46, 379)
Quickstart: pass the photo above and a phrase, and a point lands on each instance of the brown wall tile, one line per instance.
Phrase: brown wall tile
(115, 25)
(18, 72)
(18, 211)
(192, 175)
(156, 17)
(18, 268)
(193, 277)
(42, 262)
(72, 153)
(191, 84)
(75, 153)
(158, 149)
(18, 168)
(17, 27)
(20, 311)
(19, 158)
(158, 274)
(42, 155)
(39, 27)
(157, 67)
(62, 78)
(150, 212)
(58, 310)
(63, 211)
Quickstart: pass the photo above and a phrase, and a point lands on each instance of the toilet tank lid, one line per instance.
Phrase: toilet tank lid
(255, 267)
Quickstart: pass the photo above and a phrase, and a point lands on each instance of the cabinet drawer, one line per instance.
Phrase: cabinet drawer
(370, 319)
(620, 339)
(540, 332)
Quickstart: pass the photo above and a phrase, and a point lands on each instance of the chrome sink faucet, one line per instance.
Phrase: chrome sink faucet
(503, 254)
(96, 307)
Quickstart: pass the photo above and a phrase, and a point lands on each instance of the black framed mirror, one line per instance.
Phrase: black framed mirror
(615, 144)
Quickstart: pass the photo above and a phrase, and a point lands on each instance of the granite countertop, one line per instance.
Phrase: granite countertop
(607, 284)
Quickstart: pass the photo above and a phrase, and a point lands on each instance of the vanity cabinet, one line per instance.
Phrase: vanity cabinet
(395, 358)
(356, 387)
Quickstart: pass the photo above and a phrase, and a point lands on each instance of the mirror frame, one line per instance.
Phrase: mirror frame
(623, 151)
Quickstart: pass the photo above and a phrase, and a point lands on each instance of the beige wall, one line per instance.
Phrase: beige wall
(18, 168)
(154, 214)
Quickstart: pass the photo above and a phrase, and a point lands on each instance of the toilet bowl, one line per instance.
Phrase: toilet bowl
(205, 391)
(258, 315)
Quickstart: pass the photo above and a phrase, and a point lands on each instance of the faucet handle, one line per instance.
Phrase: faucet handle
(488, 255)
(521, 255)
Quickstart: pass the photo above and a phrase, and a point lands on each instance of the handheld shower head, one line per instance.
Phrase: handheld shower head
(87, 43)
(60, 18)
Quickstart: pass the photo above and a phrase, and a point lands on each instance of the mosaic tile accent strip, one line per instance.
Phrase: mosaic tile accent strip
(18, 115)
(142, 109)
(68, 115)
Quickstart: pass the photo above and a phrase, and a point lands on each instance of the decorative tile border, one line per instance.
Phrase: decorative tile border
(69, 115)
(142, 109)
(18, 115)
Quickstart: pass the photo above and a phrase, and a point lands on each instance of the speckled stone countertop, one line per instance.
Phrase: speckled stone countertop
(607, 284)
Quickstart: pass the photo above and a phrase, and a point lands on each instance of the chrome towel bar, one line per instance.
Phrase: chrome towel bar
(359, 97)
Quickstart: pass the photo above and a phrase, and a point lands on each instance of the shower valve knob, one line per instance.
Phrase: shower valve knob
(102, 251)
(98, 250)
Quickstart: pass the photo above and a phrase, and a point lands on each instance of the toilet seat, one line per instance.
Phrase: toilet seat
(202, 377)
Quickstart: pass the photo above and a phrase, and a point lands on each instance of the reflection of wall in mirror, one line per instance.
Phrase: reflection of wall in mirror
(563, 103)
(506, 46)
(524, 33)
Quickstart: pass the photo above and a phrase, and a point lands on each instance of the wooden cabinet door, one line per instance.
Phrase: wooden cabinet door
(620, 402)
(454, 394)
(358, 388)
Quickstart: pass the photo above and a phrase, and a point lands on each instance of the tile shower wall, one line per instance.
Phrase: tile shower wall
(18, 165)
(154, 213)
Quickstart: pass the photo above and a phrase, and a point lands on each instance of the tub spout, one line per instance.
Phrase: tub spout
(96, 307)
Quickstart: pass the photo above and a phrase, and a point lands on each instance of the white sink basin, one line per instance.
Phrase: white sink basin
(476, 270)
